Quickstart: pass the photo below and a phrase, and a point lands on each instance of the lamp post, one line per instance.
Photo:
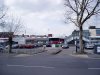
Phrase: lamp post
(74, 35)
(76, 40)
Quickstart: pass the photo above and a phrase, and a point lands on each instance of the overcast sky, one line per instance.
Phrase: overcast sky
(42, 16)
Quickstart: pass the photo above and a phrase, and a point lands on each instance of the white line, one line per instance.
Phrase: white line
(94, 68)
(15, 65)
(39, 66)
(30, 66)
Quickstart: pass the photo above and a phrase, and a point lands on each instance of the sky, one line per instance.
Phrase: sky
(42, 17)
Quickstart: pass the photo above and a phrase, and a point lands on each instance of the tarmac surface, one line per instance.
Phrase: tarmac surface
(65, 62)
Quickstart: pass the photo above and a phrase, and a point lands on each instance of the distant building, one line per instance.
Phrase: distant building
(24, 39)
(49, 35)
(56, 40)
(94, 34)
(4, 36)
(75, 33)
(90, 35)
(92, 30)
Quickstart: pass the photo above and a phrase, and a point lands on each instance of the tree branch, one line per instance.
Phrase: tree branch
(68, 3)
(92, 12)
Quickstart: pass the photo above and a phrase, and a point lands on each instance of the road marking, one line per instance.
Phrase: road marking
(30, 66)
(95, 58)
(94, 68)
(79, 55)
(15, 65)
(39, 66)
(22, 55)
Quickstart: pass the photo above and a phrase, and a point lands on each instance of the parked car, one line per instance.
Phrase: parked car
(89, 46)
(1, 48)
(21, 46)
(35, 46)
(98, 43)
(15, 46)
(38, 45)
(48, 45)
(29, 46)
(65, 46)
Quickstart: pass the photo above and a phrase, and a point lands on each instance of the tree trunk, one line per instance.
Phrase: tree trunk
(10, 44)
(81, 40)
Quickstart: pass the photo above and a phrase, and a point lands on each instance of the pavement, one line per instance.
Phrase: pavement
(53, 51)
(32, 52)
(27, 51)
(71, 51)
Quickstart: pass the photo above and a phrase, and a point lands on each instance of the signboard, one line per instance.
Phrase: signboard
(98, 49)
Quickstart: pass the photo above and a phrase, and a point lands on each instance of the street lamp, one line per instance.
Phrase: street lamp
(76, 39)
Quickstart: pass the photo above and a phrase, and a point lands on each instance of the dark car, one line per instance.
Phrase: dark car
(65, 46)
(48, 45)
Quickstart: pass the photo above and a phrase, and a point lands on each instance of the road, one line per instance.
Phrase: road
(46, 64)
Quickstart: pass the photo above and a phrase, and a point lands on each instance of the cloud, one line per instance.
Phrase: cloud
(1, 2)
(42, 16)
(35, 5)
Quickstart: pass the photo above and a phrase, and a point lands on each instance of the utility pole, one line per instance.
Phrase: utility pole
(76, 39)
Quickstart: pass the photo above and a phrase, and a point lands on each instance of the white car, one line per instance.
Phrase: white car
(89, 46)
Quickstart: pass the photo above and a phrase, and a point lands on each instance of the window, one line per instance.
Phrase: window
(98, 32)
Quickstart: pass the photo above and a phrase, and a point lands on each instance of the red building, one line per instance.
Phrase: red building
(56, 40)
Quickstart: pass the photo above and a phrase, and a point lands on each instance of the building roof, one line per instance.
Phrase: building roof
(92, 27)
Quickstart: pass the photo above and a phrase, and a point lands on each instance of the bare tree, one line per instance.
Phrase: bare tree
(79, 12)
(3, 12)
(9, 24)
(13, 26)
